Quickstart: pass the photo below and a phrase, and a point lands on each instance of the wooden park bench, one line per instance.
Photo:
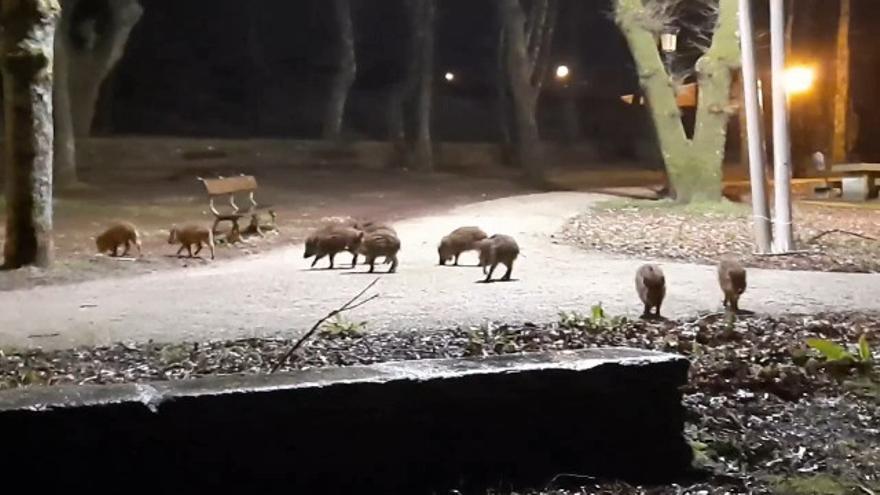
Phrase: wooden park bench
(859, 181)
(230, 187)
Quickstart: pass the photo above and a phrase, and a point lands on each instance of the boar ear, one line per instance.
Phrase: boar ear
(360, 235)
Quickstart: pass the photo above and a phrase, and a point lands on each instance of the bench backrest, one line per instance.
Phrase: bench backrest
(230, 185)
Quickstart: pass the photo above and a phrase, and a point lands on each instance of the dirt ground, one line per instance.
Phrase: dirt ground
(302, 197)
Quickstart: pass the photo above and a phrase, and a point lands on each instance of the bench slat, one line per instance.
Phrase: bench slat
(856, 168)
(230, 185)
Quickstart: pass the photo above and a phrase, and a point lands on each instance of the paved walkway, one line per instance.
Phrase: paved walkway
(276, 293)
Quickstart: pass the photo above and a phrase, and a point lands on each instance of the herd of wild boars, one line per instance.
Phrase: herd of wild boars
(371, 239)
(651, 285)
(375, 241)
(125, 235)
(122, 234)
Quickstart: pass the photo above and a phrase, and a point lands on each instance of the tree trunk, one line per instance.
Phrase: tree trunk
(502, 89)
(397, 124)
(694, 166)
(91, 66)
(423, 157)
(65, 174)
(345, 74)
(841, 95)
(84, 57)
(519, 70)
(741, 126)
(541, 60)
(571, 103)
(571, 115)
(27, 52)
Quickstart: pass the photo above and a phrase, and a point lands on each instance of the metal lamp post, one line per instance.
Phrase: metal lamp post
(754, 130)
(782, 229)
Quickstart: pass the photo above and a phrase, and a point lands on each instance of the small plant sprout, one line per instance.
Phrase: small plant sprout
(596, 322)
(340, 327)
(839, 359)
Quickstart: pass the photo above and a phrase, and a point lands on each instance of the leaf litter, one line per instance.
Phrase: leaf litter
(758, 413)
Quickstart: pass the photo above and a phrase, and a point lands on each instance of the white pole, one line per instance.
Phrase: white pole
(783, 242)
(760, 210)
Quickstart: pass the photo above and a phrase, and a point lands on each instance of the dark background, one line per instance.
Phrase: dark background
(197, 67)
(229, 68)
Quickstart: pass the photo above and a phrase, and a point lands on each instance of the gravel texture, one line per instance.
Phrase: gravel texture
(832, 239)
(275, 293)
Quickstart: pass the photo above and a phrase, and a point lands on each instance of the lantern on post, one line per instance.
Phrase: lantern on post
(668, 45)
(669, 39)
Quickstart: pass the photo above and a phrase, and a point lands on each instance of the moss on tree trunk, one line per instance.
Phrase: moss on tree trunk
(694, 166)
(27, 52)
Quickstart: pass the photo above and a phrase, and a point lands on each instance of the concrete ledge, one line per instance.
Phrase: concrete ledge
(406, 427)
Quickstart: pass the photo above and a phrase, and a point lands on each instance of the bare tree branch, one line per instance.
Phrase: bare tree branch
(350, 305)
(840, 231)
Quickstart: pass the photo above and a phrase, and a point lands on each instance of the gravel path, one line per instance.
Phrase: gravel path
(275, 293)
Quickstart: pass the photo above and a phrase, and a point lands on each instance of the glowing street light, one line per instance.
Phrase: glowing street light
(799, 80)
(449, 76)
(562, 72)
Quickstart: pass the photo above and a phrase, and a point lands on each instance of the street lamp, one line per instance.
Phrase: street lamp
(562, 72)
(799, 80)
(449, 76)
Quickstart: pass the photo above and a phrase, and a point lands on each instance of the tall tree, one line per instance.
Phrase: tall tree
(415, 91)
(571, 114)
(502, 88)
(423, 29)
(528, 41)
(27, 52)
(346, 70)
(840, 141)
(92, 35)
(693, 165)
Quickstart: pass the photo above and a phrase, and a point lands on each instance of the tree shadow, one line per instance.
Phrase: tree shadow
(377, 272)
(326, 269)
(496, 281)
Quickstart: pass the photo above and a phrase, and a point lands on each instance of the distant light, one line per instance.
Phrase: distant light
(449, 76)
(562, 72)
(799, 79)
